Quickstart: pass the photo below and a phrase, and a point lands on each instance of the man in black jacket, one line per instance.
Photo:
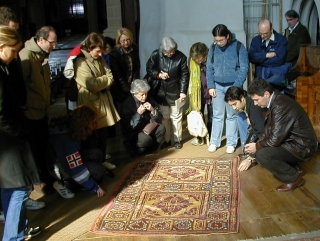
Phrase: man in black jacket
(250, 120)
(296, 34)
(288, 138)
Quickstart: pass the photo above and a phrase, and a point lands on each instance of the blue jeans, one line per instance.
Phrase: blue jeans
(243, 127)
(219, 106)
(13, 203)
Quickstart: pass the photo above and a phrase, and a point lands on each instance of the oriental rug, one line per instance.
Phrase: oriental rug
(175, 197)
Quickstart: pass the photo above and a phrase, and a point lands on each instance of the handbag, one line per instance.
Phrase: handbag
(150, 127)
(196, 125)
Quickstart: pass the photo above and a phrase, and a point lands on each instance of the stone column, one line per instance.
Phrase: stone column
(114, 18)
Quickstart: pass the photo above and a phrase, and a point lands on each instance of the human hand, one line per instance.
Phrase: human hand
(148, 106)
(245, 164)
(100, 192)
(163, 75)
(250, 148)
(212, 92)
(271, 54)
(141, 109)
(182, 97)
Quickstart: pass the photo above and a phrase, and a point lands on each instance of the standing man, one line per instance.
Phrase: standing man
(268, 52)
(288, 138)
(36, 72)
(8, 18)
(296, 34)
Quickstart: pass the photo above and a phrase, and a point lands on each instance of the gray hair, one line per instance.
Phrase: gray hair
(139, 86)
(167, 44)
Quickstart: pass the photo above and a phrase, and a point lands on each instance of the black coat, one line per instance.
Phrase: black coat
(131, 122)
(120, 89)
(17, 165)
(176, 66)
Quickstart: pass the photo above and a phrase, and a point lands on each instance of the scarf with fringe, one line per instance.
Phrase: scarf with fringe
(194, 91)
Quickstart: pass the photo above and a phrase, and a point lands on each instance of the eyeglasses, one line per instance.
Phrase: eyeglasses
(263, 34)
(51, 42)
(125, 40)
(219, 40)
(169, 53)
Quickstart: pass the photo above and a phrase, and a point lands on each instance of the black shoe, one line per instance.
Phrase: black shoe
(165, 144)
(109, 173)
(178, 145)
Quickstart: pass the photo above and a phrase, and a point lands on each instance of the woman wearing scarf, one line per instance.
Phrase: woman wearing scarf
(198, 93)
(225, 67)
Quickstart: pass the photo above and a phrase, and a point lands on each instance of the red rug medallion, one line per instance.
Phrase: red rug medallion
(175, 197)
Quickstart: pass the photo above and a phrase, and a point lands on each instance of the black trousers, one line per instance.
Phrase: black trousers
(143, 142)
(279, 162)
(98, 139)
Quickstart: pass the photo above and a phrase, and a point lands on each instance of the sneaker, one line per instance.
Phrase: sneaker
(107, 156)
(197, 141)
(32, 232)
(63, 190)
(212, 148)
(2, 220)
(109, 165)
(230, 149)
(34, 205)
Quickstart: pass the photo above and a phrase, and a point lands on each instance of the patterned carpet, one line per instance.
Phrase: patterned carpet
(175, 196)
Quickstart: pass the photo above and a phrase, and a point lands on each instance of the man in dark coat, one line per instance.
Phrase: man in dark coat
(288, 138)
(296, 34)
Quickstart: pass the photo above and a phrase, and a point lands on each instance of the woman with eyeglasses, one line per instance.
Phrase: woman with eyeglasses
(227, 65)
(167, 68)
(137, 111)
(18, 170)
(124, 64)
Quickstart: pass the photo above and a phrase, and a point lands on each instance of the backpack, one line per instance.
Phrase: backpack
(238, 50)
(196, 125)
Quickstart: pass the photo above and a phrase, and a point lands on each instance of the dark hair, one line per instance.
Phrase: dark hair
(44, 32)
(258, 86)
(81, 122)
(7, 15)
(92, 41)
(292, 14)
(222, 30)
(235, 93)
(198, 49)
(110, 41)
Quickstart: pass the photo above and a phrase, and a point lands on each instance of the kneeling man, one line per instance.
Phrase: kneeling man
(288, 136)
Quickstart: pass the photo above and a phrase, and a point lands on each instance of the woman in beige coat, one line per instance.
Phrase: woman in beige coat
(94, 79)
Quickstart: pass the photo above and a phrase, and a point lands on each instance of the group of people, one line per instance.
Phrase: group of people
(105, 74)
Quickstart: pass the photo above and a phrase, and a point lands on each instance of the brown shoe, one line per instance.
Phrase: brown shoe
(291, 186)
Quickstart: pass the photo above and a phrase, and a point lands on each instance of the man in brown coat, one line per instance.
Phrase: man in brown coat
(288, 138)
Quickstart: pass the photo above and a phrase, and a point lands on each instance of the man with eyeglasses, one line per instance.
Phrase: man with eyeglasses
(36, 73)
(268, 52)
(296, 34)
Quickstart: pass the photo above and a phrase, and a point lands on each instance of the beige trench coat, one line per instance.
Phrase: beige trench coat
(94, 80)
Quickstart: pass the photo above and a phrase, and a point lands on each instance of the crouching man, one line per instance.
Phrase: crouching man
(288, 138)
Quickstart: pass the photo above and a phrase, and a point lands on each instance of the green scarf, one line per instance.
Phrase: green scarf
(194, 91)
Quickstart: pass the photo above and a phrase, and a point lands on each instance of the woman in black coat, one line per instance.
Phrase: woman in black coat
(124, 64)
(137, 111)
(167, 68)
(18, 170)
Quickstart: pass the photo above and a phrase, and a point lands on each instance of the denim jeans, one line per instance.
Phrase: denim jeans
(243, 126)
(219, 106)
(13, 202)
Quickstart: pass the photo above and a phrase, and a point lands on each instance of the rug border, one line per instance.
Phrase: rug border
(235, 161)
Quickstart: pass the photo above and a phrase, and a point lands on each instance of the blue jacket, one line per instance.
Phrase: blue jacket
(258, 51)
(227, 68)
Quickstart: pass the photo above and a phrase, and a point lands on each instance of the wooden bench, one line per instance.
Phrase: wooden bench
(307, 74)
